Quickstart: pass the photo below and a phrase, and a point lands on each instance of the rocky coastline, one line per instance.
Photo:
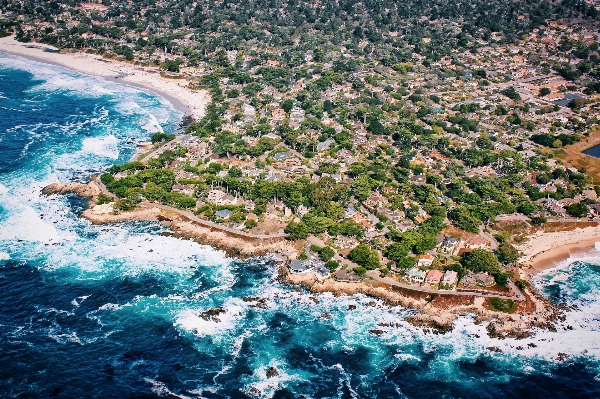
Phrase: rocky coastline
(433, 313)
(437, 313)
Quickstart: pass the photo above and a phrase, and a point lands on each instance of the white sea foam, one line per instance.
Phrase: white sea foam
(152, 125)
(105, 146)
(4, 256)
(226, 321)
(3, 189)
(27, 225)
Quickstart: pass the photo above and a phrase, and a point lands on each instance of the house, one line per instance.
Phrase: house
(450, 277)
(297, 114)
(434, 276)
(302, 210)
(349, 212)
(476, 242)
(375, 200)
(425, 260)
(595, 209)
(183, 189)
(252, 216)
(223, 213)
(484, 279)
(450, 245)
(324, 145)
(416, 275)
(282, 156)
(278, 115)
(345, 242)
(299, 266)
(405, 225)
(215, 196)
(343, 275)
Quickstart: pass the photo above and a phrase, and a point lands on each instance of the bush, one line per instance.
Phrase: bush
(538, 220)
(250, 224)
(125, 205)
(502, 305)
(332, 265)
(521, 284)
(359, 270)
(160, 137)
(103, 199)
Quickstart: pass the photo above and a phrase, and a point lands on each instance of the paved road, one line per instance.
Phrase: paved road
(375, 275)
(488, 237)
(208, 223)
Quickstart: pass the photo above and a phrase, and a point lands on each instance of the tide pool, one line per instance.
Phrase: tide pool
(118, 311)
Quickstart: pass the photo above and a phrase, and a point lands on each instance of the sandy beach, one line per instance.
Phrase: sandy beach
(190, 102)
(546, 250)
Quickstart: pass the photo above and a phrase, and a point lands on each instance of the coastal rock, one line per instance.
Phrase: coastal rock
(433, 324)
(212, 314)
(90, 189)
(494, 349)
(272, 372)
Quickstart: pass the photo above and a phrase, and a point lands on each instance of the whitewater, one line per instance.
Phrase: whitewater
(117, 310)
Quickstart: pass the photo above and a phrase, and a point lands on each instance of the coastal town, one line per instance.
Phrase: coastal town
(377, 152)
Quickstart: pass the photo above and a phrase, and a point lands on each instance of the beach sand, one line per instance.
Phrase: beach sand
(183, 99)
(547, 250)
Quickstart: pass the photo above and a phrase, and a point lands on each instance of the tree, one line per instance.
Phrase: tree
(577, 210)
(480, 260)
(325, 254)
(511, 93)
(502, 279)
(365, 256)
(160, 137)
(296, 231)
(507, 254)
(544, 91)
(576, 103)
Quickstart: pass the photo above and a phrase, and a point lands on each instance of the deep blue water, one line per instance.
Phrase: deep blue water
(113, 311)
(594, 151)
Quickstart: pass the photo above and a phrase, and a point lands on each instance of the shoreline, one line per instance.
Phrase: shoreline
(182, 99)
(545, 251)
(435, 313)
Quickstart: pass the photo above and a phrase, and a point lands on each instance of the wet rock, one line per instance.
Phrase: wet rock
(326, 316)
(376, 332)
(272, 372)
(494, 349)
(212, 314)
(430, 324)
(351, 307)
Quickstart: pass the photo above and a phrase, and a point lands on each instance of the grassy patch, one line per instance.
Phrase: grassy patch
(502, 305)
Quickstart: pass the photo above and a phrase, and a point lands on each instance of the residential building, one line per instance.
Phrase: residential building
(425, 260)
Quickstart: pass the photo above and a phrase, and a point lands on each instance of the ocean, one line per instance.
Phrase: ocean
(116, 311)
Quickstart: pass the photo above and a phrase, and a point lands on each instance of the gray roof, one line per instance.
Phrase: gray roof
(298, 266)
(282, 155)
(223, 213)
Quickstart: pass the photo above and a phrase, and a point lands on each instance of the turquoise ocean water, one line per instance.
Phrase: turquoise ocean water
(113, 311)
